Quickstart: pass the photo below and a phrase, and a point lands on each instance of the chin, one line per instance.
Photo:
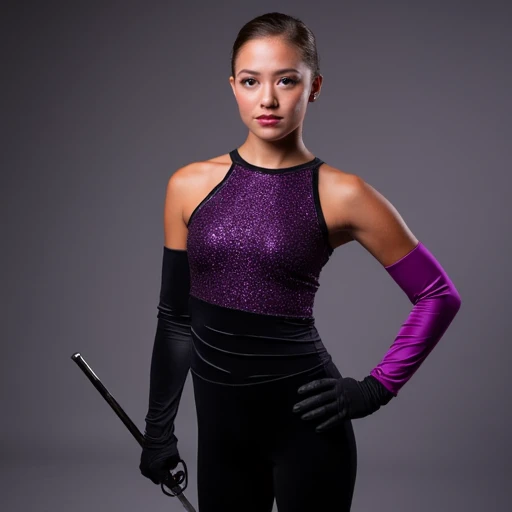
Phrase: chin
(275, 135)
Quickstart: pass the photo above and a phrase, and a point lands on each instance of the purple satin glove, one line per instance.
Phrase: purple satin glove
(436, 302)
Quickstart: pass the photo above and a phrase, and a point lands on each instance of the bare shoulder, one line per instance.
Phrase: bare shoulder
(179, 185)
(337, 188)
(196, 173)
(344, 182)
(361, 212)
(186, 188)
(185, 176)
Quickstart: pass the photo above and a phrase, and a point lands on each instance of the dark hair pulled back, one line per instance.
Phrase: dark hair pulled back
(292, 29)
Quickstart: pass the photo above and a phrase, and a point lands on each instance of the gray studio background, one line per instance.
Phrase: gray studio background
(103, 101)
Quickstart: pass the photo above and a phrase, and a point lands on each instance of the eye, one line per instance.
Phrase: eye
(291, 81)
(245, 80)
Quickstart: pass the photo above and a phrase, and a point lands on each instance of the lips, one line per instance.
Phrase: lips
(269, 117)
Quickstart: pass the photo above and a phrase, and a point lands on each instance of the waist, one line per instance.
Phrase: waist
(280, 294)
(239, 347)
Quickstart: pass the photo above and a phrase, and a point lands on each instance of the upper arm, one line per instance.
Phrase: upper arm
(175, 229)
(375, 223)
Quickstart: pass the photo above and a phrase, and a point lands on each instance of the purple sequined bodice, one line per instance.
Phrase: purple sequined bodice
(258, 241)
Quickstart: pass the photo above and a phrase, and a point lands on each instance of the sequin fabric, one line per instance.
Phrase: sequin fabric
(258, 242)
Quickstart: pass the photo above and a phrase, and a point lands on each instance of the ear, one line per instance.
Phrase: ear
(232, 83)
(316, 85)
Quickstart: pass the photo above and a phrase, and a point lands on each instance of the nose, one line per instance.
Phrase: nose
(269, 99)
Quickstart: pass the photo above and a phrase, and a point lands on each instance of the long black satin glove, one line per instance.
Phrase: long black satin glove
(170, 364)
(336, 400)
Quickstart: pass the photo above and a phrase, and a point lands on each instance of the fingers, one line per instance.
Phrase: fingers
(315, 401)
(328, 404)
(316, 385)
(332, 422)
(329, 409)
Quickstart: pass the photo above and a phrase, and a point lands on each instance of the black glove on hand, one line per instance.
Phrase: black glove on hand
(339, 399)
(170, 363)
(156, 461)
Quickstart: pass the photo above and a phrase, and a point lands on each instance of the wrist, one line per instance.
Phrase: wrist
(380, 394)
(365, 397)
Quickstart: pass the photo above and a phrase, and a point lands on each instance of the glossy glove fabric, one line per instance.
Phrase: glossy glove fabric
(436, 302)
(170, 364)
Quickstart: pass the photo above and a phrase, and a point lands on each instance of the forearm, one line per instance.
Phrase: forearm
(170, 360)
(170, 364)
(436, 302)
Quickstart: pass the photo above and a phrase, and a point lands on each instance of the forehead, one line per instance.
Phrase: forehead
(268, 53)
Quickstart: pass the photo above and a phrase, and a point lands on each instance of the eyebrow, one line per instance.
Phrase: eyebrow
(278, 72)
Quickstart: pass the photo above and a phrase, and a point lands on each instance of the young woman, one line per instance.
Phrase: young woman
(246, 236)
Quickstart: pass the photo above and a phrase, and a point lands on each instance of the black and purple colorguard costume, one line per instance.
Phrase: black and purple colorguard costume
(237, 309)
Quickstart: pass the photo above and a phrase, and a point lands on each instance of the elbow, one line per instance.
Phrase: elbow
(456, 301)
(451, 303)
(448, 294)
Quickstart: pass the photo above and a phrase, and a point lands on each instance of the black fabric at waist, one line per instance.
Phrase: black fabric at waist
(240, 348)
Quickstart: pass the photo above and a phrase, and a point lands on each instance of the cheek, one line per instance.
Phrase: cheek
(300, 105)
(245, 102)
(298, 102)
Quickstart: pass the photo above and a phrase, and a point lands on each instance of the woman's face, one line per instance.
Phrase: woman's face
(271, 79)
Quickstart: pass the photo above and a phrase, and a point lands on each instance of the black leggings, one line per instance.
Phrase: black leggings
(252, 448)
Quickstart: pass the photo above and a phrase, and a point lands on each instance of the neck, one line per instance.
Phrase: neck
(276, 153)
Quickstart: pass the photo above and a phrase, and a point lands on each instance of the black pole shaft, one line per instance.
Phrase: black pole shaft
(170, 480)
(79, 360)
